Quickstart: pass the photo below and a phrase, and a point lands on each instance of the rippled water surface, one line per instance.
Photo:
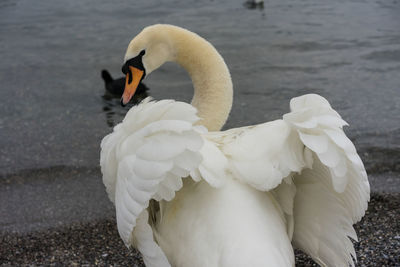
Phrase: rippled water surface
(51, 54)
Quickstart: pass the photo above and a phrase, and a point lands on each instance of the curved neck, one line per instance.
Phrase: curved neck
(211, 79)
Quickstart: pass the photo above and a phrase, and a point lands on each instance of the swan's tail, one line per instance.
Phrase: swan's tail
(106, 76)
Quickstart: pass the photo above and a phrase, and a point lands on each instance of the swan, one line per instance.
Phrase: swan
(116, 86)
(188, 194)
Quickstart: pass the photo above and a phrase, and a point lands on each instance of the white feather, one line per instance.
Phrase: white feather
(317, 143)
(150, 160)
(253, 192)
(328, 194)
(153, 256)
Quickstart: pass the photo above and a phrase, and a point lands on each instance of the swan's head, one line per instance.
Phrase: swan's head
(146, 52)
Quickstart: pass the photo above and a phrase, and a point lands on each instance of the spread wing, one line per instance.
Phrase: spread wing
(305, 160)
(313, 169)
(145, 158)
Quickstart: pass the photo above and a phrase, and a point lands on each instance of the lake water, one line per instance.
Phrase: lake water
(52, 112)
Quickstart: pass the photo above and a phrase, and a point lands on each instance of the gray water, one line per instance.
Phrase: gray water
(52, 111)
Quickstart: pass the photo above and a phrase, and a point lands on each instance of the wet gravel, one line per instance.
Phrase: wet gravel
(98, 243)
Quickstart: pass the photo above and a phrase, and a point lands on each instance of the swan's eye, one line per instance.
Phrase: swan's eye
(142, 52)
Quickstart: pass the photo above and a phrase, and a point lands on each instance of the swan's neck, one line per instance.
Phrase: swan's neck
(211, 79)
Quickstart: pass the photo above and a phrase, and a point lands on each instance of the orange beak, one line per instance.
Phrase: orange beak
(133, 78)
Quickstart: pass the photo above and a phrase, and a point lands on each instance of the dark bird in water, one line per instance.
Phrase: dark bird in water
(254, 4)
(116, 86)
(112, 95)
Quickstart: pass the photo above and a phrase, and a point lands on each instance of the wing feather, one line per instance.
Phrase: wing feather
(305, 160)
(145, 158)
(331, 195)
(330, 189)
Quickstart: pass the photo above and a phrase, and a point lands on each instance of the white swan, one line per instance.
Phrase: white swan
(250, 193)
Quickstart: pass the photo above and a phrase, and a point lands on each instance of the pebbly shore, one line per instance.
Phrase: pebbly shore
(98, 243)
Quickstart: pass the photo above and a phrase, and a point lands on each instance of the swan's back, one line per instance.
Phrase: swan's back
(234, 225)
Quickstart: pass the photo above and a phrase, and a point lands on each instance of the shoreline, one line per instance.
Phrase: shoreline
(98, 242)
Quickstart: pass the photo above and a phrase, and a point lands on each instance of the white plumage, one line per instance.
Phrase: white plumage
(240, 197)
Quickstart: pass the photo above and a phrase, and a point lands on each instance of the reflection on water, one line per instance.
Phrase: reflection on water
(112, 98)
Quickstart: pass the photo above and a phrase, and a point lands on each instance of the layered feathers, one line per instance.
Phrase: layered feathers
(305, 161)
